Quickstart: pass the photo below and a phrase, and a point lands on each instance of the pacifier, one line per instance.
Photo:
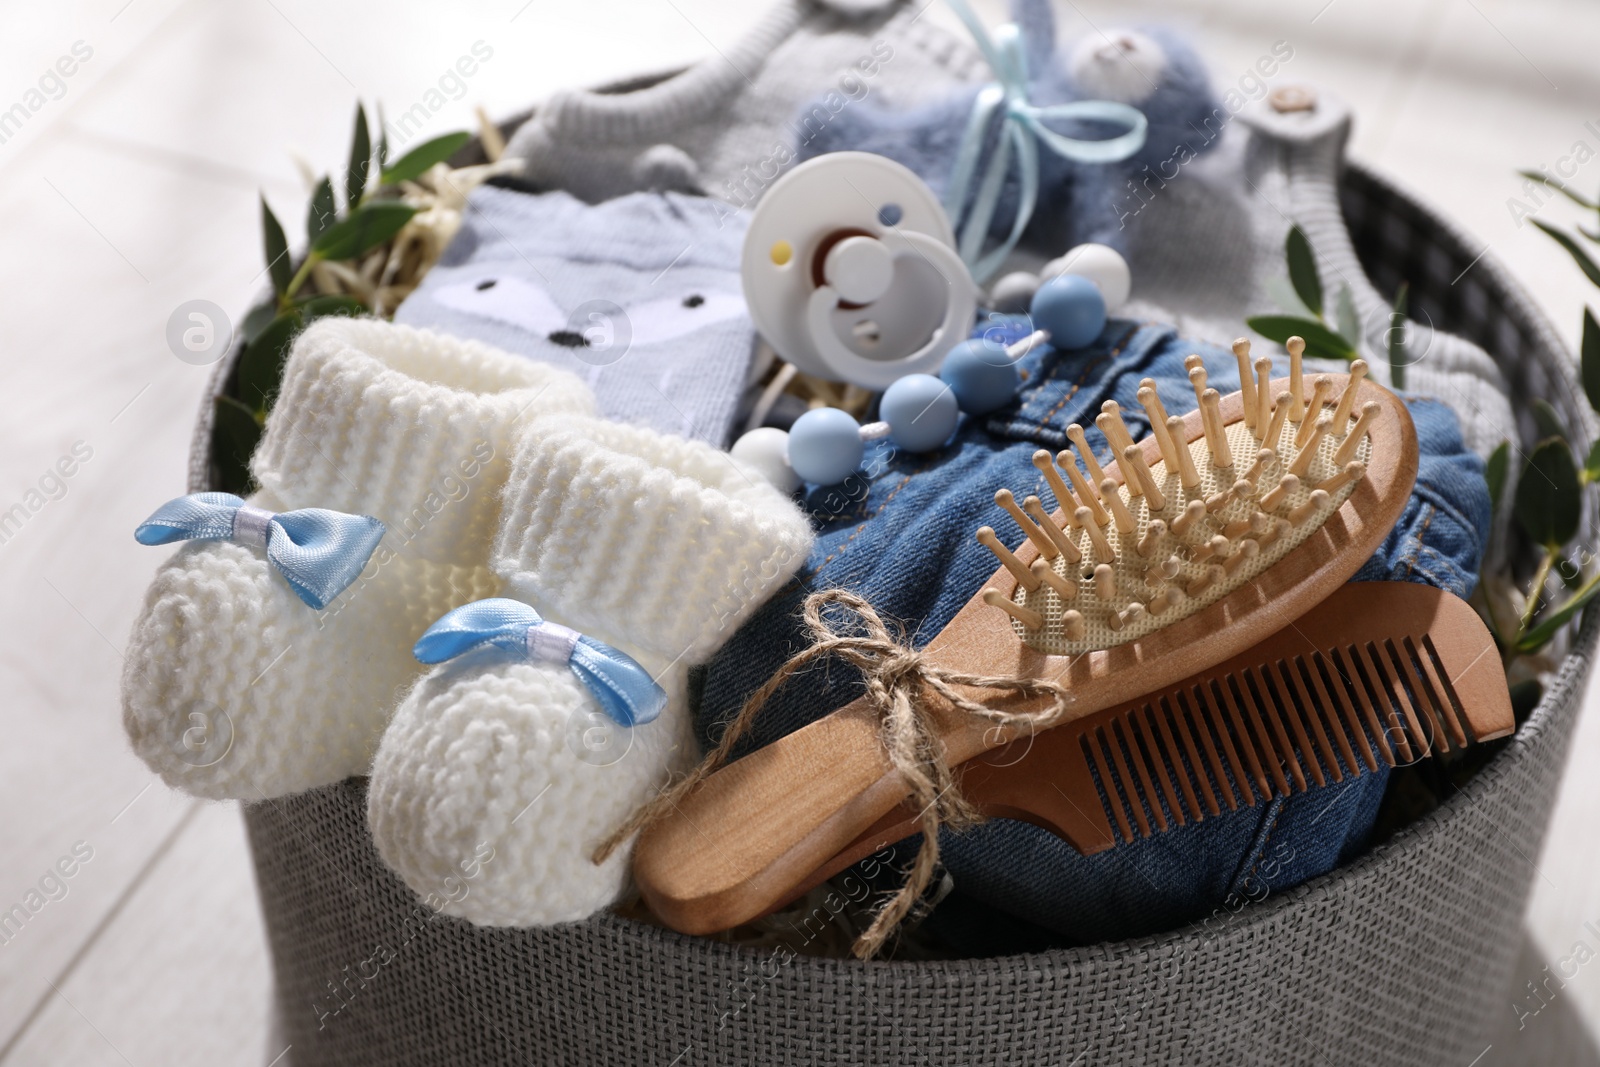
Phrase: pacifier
(851, 274)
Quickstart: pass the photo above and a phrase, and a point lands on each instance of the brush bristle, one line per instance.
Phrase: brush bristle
(1116, 562)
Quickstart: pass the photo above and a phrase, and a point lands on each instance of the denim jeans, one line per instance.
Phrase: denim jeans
(900, 534)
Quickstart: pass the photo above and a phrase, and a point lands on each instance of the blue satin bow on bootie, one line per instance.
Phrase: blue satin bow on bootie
(318, 552)
(622, 686)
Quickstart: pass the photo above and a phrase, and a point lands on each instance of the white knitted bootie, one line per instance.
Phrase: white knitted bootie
(501, 771)
(233, 687)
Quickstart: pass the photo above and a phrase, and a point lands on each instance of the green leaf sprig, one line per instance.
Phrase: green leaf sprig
(1548, 503)
(1325, 339)
(1340, 337)
(1548, 509)
(372, 215)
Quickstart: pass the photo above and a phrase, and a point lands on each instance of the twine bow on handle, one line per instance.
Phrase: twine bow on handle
(899, 681)
(1022, 130)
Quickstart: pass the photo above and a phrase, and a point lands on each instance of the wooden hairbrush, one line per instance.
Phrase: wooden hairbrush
(1380, 671)
(1215, 532)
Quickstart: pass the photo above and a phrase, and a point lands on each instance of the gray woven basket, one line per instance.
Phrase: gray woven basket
(1402, 957)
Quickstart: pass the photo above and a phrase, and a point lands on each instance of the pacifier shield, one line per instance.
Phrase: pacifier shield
(850, 271)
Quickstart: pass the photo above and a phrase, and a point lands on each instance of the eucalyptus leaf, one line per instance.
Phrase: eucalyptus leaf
(1320, 341)
(383, 138)
(1495, 471)
(257, 319)
(1345, 317)
(276, 248)
(1549, 501)
(355, 178)
(1565, 190)
(1590, 269)
(1548, 420)
(261, 363)
(1552, 623)
(234, 436)
(364, 229)
(322, 212)
(1280, 294)
(415, 162)
(1398, 360)
(1303, 270)
(1590, 363)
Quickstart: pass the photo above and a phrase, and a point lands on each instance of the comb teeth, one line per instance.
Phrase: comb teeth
(1271, 730)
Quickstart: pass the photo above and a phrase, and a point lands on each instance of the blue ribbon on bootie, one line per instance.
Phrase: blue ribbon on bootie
(1022, 129)
(622, 686)
(318, 552)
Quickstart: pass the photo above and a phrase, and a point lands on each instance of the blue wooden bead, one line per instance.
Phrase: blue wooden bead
(1072, 308)
(921, 412)
(825, 446)
(981, 375)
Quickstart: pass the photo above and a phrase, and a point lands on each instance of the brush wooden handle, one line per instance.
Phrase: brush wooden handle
(756, 830)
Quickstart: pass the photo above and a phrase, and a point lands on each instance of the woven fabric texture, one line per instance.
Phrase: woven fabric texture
(1401, 957)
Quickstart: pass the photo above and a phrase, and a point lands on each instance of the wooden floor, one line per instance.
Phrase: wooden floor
(135, 191)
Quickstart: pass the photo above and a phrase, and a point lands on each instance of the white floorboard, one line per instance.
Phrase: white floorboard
(193, 917)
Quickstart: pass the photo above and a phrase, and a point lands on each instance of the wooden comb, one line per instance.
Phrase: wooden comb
(1380, 671)
(1158, 575)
